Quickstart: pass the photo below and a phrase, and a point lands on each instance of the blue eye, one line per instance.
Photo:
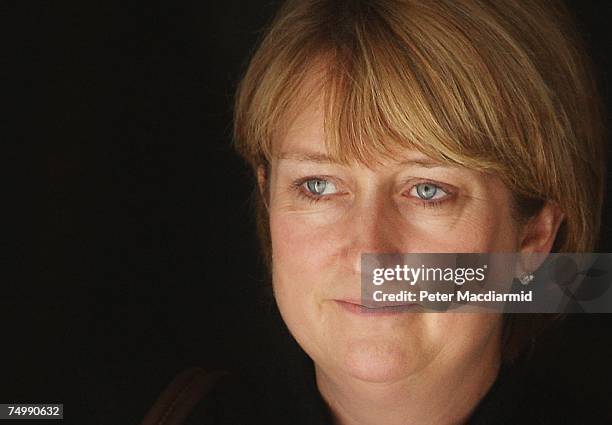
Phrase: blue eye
(428, 191)
(320, 187)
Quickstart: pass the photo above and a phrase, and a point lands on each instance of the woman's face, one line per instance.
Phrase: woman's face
(323, 215)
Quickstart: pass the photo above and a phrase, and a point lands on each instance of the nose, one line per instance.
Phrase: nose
(372, 227)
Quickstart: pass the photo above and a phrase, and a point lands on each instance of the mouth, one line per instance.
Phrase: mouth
(358, 308)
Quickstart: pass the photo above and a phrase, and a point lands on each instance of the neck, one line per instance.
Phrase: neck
(441, 394)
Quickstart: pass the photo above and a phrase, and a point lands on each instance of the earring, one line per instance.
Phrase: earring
(526, 278)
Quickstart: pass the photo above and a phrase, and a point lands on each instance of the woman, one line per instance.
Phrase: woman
(415, 126)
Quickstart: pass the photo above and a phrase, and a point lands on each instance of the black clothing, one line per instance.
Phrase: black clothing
(512, 399)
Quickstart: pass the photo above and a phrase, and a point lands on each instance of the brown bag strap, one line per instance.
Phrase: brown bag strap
(176, 402)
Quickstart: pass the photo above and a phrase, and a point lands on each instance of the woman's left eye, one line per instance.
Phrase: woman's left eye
(427, 191)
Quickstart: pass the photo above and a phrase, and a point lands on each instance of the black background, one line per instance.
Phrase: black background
(142, 217)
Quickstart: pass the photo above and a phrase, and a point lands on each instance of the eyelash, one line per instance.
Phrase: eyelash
(298, 187)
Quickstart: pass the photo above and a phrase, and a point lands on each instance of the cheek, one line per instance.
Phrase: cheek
(303, 268)
(477, 230)
(298, 246)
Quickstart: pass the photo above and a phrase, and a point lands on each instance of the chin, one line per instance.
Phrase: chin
(377, 360)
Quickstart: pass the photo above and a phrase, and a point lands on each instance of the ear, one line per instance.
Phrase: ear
(541, 230)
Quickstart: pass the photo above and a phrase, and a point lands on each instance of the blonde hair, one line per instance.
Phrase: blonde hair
(502, 86)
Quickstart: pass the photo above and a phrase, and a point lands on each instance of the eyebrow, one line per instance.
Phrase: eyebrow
(306, 157)
(322, 158)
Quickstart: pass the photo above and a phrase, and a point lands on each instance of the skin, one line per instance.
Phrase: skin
(408, 368)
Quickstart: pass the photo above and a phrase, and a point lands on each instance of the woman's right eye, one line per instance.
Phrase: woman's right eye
(320, 187)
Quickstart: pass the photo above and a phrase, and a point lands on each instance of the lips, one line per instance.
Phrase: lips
(355, 306)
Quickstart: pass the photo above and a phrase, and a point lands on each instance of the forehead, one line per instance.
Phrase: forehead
(304, 138)
(354, 123)
(306, 130)
(347, 123)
